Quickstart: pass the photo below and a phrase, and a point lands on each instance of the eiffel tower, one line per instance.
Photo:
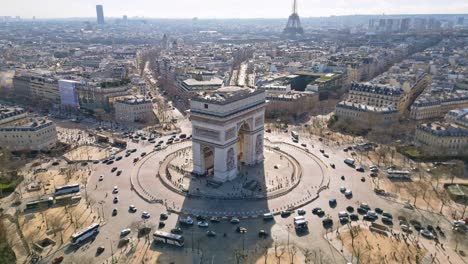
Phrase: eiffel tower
(293, 27)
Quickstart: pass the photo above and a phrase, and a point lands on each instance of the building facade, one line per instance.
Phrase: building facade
(133, 109)
(20, 133)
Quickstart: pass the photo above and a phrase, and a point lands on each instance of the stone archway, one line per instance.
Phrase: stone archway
(242, 143)
(231, 123)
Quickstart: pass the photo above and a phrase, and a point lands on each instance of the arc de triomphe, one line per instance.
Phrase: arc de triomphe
(227, 130)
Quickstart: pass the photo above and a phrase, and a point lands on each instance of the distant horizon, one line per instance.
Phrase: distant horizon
(227, 9)
(236, 18)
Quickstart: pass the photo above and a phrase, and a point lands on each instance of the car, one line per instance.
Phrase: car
(110, 162)
(116, 199)
(234, 220)
(113, 169)
(125, 232)
(101, 177)
(163, 216)
(115, 190)
(94, 162)
(294, 140)
(360, 169)
(426, 233)
(304, 145)
(145, 215)
(214, 219)
(348, 193)
(373, 174)
(345, 149)
(285, 213)
(135, 160)
(143, 154)
(389, 215)
(100, 249)
(177, 231)
(128, 154)
(114, 211)
(342, 189)
(161, 224)
(118, 158)
(326, 155)
(327, 222)
(301, 212)
(374, 170)
(320, 213)
(387, 221)
(344, 220)
(315, 210)
(202, 224)
(322, 151)
(406, 229)
(133, 150)
(418, 227)
(105, 161)
(369, 218)
(119, 173)
(350, 209)
(200, 218)
(57, 260)
(362, 211)
(132, 208)
(363, 179)
(431, 229)
(354, 217)
(365, 206)
(56, 163)
(332, 165)
(378, 210)
(186, 220)
(343, 214)
(332, 202)
(241, 229)
(262, 233)
(211, 233)
(372, 213)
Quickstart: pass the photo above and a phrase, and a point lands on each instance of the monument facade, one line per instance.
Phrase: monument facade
(227, 131)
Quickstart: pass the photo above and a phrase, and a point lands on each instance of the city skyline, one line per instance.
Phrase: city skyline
(229, 9)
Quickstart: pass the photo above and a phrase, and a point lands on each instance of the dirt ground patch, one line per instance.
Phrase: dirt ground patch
(87, 153)
(58, 223)
(372, 247)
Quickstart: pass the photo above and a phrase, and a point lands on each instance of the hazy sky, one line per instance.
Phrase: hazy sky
(225, 8)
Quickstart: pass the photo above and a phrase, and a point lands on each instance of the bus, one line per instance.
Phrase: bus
(120, 143)
(67, 189)
(295, 135)
(168, 238)
(84, 234)
(397, 174)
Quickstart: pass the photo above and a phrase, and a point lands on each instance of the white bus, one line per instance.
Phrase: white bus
(168, 238)
(67, 189)
(84, 234)
(397, 174)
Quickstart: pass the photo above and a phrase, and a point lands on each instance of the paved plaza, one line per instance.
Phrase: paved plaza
(278, 174)
(290, 177)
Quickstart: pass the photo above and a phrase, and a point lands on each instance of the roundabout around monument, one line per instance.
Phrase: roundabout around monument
(289, 178)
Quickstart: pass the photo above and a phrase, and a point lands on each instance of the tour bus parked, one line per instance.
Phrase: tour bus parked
(168, 238)
(67, 189)
(84, 234)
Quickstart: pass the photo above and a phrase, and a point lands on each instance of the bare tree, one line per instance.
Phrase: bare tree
(292, 253)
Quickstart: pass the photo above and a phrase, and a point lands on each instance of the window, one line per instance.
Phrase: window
(206, 106)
